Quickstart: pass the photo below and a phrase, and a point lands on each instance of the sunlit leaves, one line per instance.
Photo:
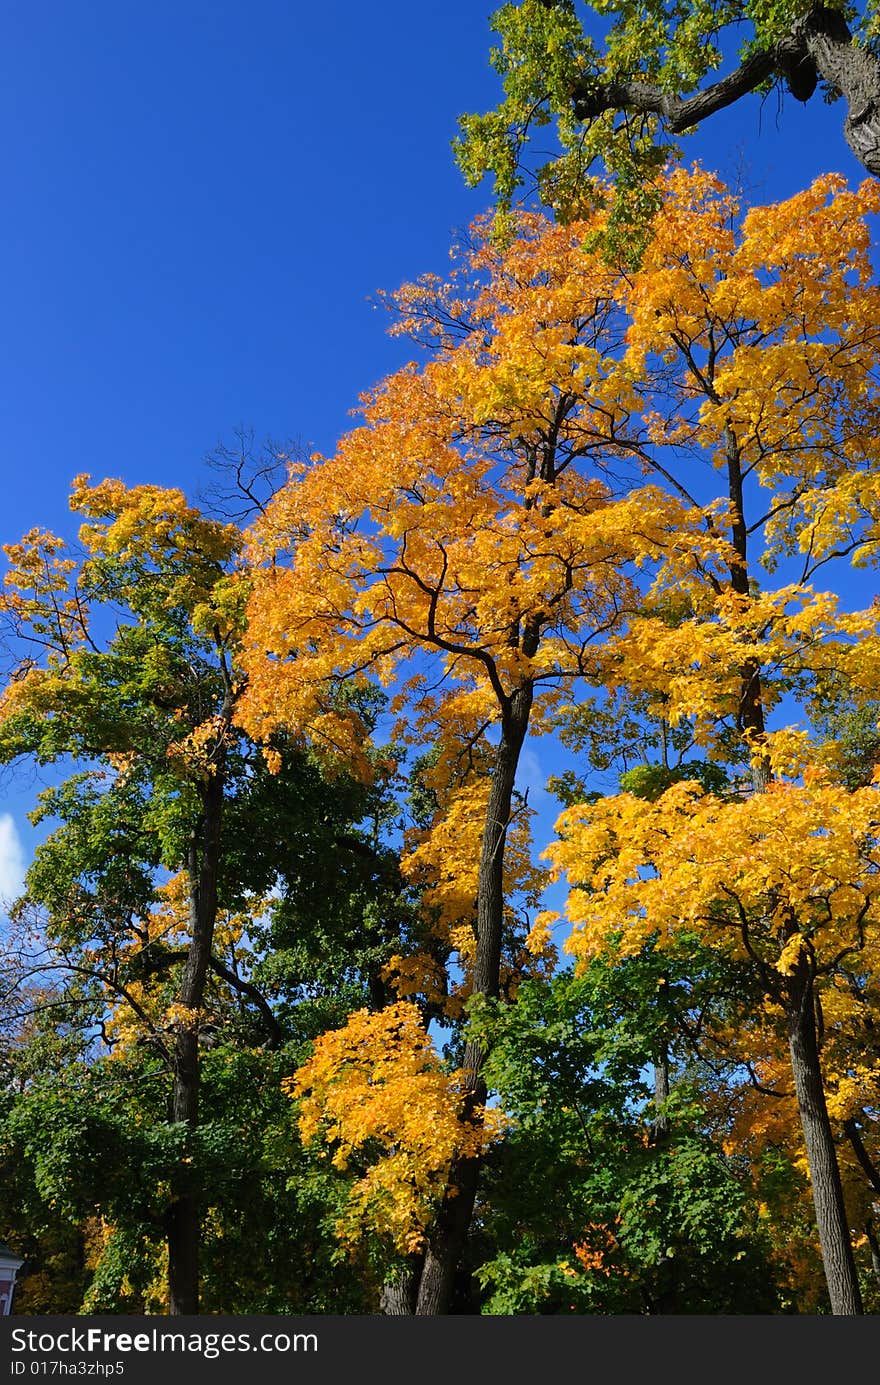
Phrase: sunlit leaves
(377, 1087)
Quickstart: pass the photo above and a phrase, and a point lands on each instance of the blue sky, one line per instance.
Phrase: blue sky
(199, 198)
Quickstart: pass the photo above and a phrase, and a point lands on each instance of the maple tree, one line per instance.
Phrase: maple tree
(787, 875)
(153, 892)
(798, 420)
(716, 1038)
(457, 544)
(159, 697)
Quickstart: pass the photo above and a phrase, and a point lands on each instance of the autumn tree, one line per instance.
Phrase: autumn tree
(756, 348)
(152, 891)
(465, 545)
(158, 697)
(815, 462)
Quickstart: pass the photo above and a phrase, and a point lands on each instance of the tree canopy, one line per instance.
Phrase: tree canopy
(301, 963)
(619, 82)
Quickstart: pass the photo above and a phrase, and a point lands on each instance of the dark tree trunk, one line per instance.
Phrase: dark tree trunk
(400, 1294)
(664, 1297)
(183, 1229)
(448, 1236)
(851, 70)
(751, 708)
(831, 1219)
(449, 1233)
(660, 1123)
(184, 1214)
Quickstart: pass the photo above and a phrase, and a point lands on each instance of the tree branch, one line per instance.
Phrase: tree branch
(869, 1168)
(276, 1033)
(820, 44)
(679, 113)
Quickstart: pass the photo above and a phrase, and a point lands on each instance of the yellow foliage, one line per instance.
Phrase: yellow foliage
(787, 961)
(539, 940)
(422, 975)
(803, 852)
(693, 671)
(150, 523)
(376, 1089)
(145, 1008)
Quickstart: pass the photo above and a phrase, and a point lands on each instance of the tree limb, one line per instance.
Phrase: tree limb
(820, 44)
(869, 1168)
(276, 1033)
(679, 113)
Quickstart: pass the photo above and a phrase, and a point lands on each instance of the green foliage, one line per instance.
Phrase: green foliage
(550, 53)
(88, 1150)
(650, 781)
(587, 1208)
(134, 694)
(853, 726)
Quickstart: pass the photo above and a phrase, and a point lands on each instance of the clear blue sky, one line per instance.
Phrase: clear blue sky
(200, 196)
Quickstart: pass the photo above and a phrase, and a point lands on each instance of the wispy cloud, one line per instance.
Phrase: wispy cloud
(531, 775)
(12, 862)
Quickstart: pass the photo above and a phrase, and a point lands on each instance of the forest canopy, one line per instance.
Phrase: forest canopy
(309, 1002)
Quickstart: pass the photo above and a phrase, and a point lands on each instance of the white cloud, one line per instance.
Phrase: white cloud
(12, 862)
(531, 775)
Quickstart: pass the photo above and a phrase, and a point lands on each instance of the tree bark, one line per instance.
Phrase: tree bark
(663, 1299)
(869, 1168)
(831, 1219)
(449, 1233)
(750, 716)
(184, 1214)
(399, 1295)
(660, 1123)
(855, 73)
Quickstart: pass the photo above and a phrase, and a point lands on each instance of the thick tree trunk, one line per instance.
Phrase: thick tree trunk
(660, 1123)
(855, 73)
(449, 1233)
(831, 1219)
(183, 1231)
(399, 1295)
(448, 1236)
(184, 1214)
(664, 1298)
